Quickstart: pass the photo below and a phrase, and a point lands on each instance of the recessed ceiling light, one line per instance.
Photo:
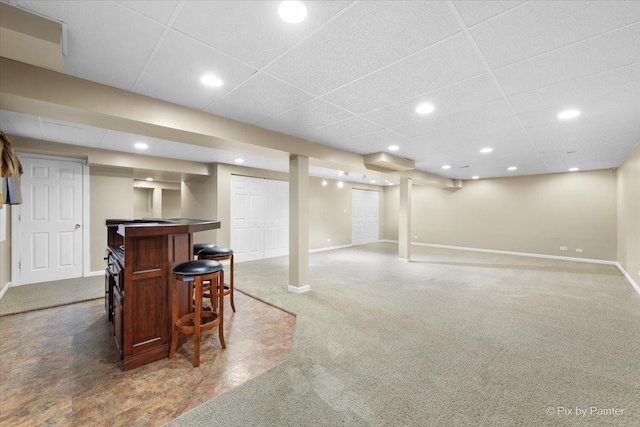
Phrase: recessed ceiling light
(149, 179)
(574, 169)
(239, 160)
(486, 150)
(475, 177)
(340, 184)
(512, 168)
(425, 108)
(568, 114)
(141, 145)
(373, 181)
(324, 182)
(292, 11)
(211, 80)
(391, 183)
(393, 148)
(446, 167)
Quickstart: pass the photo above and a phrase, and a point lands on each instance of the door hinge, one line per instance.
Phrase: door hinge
(19, 265)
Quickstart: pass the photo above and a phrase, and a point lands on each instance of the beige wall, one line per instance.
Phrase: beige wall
(171, 204)
(112, 196)
(142, 202)
(5, 251)
(533, 214)
(629, 215)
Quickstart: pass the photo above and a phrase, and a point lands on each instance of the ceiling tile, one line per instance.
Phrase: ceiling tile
(20, 124)
(606, 52)
(458, 96)
(493, 110)
(258, 35)
(580, 90)
(375, 142)
(259, 98)
(365, 37)
(335, 133)
(423, 72)
(175, 72)
(158, 10)
(473, 12)
(313, 114)
(97, 33)
(538, 27)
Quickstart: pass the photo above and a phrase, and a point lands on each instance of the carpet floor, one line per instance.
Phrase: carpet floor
(453, 338)
(37, 296)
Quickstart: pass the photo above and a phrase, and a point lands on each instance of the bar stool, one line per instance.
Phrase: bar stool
(217, 253)
(197, 247)
(199, 320)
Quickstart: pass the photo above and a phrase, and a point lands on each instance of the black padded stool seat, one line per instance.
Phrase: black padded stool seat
(201, 266)
(220, 254)
(205, 275)
(197, 247)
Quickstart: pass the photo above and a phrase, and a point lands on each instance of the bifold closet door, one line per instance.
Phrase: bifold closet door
(365, 207)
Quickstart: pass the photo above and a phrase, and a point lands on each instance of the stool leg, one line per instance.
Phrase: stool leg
(221, 308)
(233, 306)
(197, 318)
(174, 317)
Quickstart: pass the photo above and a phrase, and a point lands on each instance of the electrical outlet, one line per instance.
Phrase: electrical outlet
(563, 248)
(579, 250)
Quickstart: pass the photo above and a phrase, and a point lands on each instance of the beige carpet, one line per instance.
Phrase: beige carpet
(51, 294)
(453, 339)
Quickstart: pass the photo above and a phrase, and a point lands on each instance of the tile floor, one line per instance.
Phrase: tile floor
(60, 366)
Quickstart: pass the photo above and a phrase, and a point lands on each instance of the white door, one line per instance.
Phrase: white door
(365, 206)
(276, 209)
(50, 220)
(247, 218)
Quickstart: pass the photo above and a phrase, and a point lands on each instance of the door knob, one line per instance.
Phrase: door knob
(77, 226)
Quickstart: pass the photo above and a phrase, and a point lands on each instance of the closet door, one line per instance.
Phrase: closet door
(365, 206)
(276, 203)
(247, 218)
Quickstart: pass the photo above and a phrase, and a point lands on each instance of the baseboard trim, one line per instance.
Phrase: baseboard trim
(330, 248)
(299, 290)
(95, 273)
(5, 288)
(628, 277)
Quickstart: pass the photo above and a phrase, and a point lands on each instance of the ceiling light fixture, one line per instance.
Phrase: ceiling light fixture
(292, 11)
(574, 169)
(391, 183)
(373, 181)
(486, 150)
(340, 184)
(149, 179)
(475, 177)
(512, 168)
(425, 108)
(239, 160)
(393, 148)
(568, 114)
(141, 145)
(324, 182)
(446, 167)
(211, 80)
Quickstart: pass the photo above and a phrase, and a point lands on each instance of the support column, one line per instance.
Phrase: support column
(404, 225)
(298, 224)
(156, 203)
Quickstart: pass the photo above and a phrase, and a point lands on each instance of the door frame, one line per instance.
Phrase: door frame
(16, 228)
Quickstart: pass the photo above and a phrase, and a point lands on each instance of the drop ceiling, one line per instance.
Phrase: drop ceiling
(351, 75)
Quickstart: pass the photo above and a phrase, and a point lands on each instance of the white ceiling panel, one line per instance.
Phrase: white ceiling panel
(377, 141)
(425, 71)
(175, 72)
(259, 98)
(311, 115)
(97, 35)
(158, 10)
(250, 31)
(365, 37)
(458, 96)
(20, 124)
(474, 12)
(606, 52)
(580, 90)
(335, 133)
(488, 112)
(538, 27)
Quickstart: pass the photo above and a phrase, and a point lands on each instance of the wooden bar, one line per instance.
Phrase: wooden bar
(138, 282)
